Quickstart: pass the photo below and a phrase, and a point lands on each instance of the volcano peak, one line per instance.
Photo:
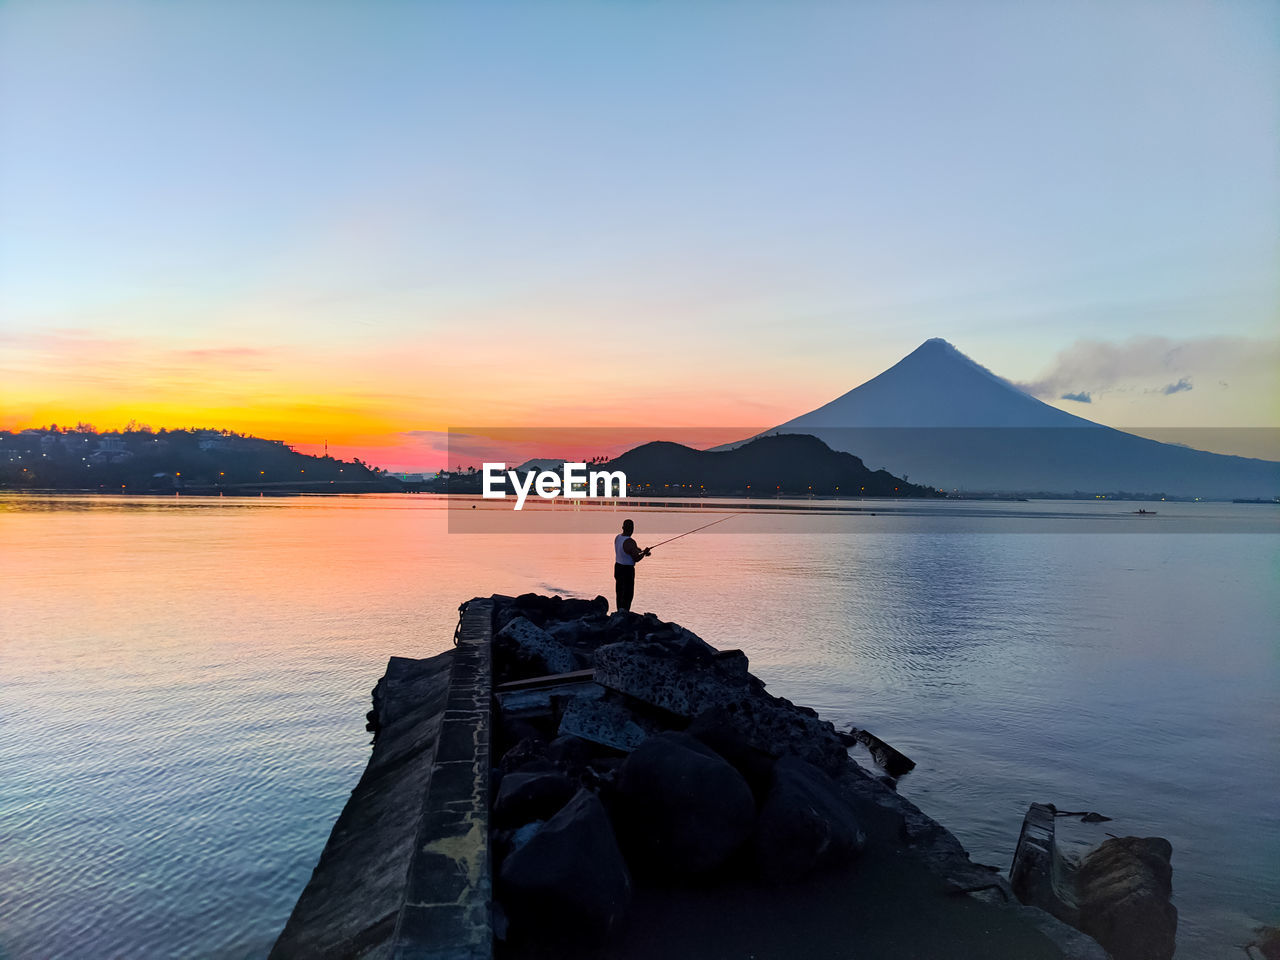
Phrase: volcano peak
(937, 385)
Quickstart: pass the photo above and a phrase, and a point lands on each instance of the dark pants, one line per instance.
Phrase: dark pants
(624, 579)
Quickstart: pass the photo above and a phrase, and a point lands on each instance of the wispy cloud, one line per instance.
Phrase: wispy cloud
(220, 354)
(1090, 367)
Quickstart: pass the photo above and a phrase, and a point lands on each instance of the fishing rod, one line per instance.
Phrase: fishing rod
(694, 530)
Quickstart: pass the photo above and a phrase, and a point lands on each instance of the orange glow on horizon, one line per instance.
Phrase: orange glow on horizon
(389, 406)
(389, 402)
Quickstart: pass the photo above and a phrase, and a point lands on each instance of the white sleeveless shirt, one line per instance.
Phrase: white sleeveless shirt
(619, 555)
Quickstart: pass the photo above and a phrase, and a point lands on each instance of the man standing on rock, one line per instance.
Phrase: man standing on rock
(625, 557)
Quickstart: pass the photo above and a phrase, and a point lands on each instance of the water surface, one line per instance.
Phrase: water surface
(183, 684)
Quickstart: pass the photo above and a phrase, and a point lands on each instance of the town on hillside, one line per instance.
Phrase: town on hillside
(138, 459)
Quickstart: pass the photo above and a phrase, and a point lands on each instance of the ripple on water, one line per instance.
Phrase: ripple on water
(184, 714)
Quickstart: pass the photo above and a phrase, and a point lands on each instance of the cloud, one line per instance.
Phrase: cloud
(217, 354)
(431, 436)
(1090, 367)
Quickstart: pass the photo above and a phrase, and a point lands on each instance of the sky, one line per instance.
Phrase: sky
(367, 223)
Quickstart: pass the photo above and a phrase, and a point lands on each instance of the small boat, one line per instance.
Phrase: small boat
(1145, 513)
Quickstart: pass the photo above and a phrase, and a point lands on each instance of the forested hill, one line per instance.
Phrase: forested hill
(197, 461)
(788, 465)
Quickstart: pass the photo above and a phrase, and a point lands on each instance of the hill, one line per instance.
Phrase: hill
(196, 461)
(788, 465)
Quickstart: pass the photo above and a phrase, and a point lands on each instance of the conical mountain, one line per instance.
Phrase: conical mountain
(937, 386)
(939, 418)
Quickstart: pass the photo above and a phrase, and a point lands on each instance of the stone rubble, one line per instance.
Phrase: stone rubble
(686, 770)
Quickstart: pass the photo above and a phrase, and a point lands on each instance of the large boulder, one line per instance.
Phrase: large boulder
(623, 626)
(1267, 942)
(682, 809)
(681, 642)
(680, 678)
(607, 722)
(804, 824)
(779, 727)
(543, 610)
(571, 753)
(717, 730)
(571, 608)
(569, 876)
(524, 752)
(657, 675)
(527, 796)
(583, 635)
(1123, 889)
(522, 649)
(532, 606)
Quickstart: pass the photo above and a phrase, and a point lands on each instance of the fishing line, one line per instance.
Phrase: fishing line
(695, 530)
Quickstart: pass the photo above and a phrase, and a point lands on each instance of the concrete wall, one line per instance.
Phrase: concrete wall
(406, 871)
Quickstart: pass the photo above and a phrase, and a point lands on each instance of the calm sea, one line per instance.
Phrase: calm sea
(183, 683)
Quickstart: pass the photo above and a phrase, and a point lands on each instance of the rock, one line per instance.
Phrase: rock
(541, 701)
(570, 752)
(543, 611)
(523, 650)
(778, 727)
(585, 634)
(716, 729)
(569, 876)
(685, 644)
(571, 608)
(523, 835)
(804, 824)
(623, 626)
(689, 686)
(532, 606)
(1123, 889)
(503, 842)
(1267, 942)
(606, 722)
(683, 810)
(601, 775)
(528, 749)
(515, 729)
(536, 765)
(524, 797)
(732, 663)
(652, 674)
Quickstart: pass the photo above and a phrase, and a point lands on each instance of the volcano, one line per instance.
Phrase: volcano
(938, 418)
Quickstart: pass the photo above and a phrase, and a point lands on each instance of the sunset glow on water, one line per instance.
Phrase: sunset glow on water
(184, 684)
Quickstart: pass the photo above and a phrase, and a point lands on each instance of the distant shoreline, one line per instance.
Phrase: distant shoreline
(754, 503)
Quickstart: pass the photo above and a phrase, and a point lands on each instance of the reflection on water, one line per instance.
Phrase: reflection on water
(183, 685)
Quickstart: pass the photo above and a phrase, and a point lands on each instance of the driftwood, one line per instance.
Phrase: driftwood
(890, 760)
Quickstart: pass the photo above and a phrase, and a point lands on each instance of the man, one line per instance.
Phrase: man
(625, 557)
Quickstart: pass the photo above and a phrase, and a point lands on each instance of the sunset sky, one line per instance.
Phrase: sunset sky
(369, 222)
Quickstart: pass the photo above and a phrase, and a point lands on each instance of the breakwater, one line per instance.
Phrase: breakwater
(566, 779)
